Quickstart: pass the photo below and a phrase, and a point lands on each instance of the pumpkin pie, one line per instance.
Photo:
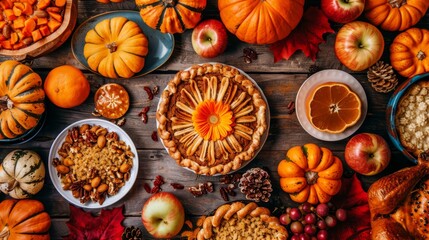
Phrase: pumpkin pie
(240, 221)
(211, 118)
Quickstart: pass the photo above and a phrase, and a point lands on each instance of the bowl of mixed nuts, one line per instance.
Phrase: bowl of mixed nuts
(93, 163)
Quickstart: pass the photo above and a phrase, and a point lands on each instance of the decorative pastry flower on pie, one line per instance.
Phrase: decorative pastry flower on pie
(211, 118)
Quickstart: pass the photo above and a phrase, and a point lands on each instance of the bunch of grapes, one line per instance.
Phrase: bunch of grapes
(308, 222)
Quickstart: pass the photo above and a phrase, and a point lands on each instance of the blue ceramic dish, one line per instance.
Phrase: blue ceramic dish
(161, 45)
(391, 113)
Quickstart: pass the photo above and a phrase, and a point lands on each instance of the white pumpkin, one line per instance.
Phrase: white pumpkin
(22, 174)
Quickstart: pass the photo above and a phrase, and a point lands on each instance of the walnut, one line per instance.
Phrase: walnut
(256, 185)
(201, 189)
(132, 233)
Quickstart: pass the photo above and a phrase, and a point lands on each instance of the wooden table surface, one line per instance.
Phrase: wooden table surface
(279, 81)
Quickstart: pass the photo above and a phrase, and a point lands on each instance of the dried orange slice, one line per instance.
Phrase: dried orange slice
(332, 107)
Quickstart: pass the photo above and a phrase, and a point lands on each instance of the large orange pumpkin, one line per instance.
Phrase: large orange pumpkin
(24, 219)
(171, 16)
(261, 21)
(310, 174)
(409, 52)
(395, 15)
(21, 99)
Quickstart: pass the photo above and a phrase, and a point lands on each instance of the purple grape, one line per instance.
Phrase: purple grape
(322, 235)
(296, 227)
(321, 224)
(341, 214)
(331, 221)
(310, 230)
(304, 236)
(295, 214)
(310, 218)
(306, 207)
(285, 219)
(322, 210)
(295, 237)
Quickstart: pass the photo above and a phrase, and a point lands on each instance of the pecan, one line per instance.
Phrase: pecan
(177, 186)
(155, 189)
(208, 186)
(149, 92)
(159, 180)
(154, 136)
(112, 136)
(121, 122)
(249, 54)
(146, 187)
(74, 133)
(143, 114)
(95, 113)
(224, 194)
(197, 192)
(155, 90)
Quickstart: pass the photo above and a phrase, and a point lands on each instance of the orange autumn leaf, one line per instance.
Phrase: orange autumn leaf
(305, 37)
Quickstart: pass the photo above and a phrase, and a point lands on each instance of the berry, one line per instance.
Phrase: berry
(331, 221)
(322, 235)
(310, 218)
(304, 236)
(306, 207)
(310, 230)
(322, 209)
(341, 214)
(285, 219)
(296, 227)
(295, 214)
(321, 224)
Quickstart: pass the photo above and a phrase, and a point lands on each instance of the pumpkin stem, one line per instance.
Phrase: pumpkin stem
(4, 234)
(311, 177)
(421, 55)
(397, 3)
(112, 47)
(169, 3)
(5, 103)
(12, 185)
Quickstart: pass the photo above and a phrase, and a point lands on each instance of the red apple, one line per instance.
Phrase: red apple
(359, 45)
(342, 11)
(163, 215)
(209, 38)
(367, 153)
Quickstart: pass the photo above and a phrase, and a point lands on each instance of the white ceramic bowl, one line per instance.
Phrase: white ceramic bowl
(53, 153)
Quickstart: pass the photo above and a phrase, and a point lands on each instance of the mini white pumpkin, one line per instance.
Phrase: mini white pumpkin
(22, 174)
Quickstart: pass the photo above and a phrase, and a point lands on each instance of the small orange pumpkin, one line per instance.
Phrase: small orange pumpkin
(171, 16)
(310, 174)
(261, 22)
(409, 52)
(395, 15)
(24, 219)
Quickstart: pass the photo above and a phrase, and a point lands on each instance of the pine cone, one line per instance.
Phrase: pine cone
(132, 233)
(382, 77)
(256, 185)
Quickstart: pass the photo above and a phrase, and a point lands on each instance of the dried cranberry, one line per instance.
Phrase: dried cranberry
(147, 188)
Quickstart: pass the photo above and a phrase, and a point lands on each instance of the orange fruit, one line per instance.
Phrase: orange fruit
(332, 107)
(66, 86)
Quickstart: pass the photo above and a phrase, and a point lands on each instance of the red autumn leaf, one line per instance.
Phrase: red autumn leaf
(354, 200)
(306, 36)
(82, 225)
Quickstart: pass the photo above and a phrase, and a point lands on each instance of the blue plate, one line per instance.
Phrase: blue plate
(391, 113)
(26, 136)
(161, 45)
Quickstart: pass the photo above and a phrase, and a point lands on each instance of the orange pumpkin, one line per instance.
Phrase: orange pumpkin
(24, 219)
(261, 22)
(409, 52)
(21, 99)
(310, 174)
(395, 15)
(171, 16)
